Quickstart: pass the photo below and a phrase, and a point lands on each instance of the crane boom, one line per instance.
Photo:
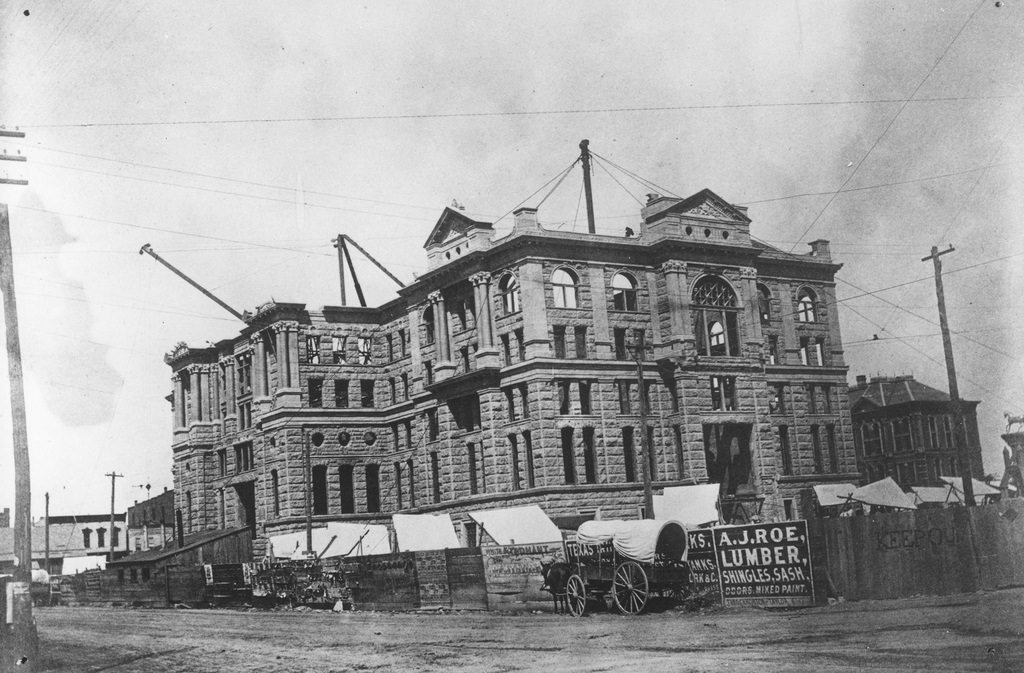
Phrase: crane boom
(148, 249)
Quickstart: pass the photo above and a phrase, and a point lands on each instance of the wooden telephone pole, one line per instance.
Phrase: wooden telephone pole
(111, 539)
(24, 645)
(959, 431)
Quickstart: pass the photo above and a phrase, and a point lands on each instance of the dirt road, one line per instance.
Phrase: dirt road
(978, 632)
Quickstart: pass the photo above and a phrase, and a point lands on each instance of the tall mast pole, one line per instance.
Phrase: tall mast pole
(585, 157)
(110, 540)
(339, 243)
(959, 431)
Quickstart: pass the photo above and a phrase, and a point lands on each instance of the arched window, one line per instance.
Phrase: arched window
(428, 325)
(564, 283)
(764, 304)
(715, 317)
(509, 290)
(805, 306)
(623, 292)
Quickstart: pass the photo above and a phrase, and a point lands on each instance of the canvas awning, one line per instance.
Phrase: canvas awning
(692, 505)
(932, 495)
(883, 493)
(517, 525)
(334, 540)
(640, 540)
(980, 487)
(425, 532)
(832, 495)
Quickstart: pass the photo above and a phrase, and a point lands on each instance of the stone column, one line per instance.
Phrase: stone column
(444, 367)
(180, 421)
(230, 396)
(535, 315)
(195, 409)
(603, 346)
(791, 345)
(292, 339)
(677, 289)
(487, 355)
(215, 415)
(751, 311)
(415, 314)
(281, 346)
(259, 367)
(206, 398)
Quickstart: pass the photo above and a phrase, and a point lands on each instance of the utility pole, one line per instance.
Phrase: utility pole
(307, 478)
(24, 640)
(585, 157)
(637, 351)
(960, 432)
(339, 243)
(46, 528)
(110, 540)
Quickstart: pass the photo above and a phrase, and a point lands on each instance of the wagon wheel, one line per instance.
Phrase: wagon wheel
(630, 588)
(576, 596)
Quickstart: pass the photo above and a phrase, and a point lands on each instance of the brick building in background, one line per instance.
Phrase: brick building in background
(504, 375)
(904, 429)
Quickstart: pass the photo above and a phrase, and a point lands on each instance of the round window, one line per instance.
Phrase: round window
(344, 438)
(370, 437)
(318, 438)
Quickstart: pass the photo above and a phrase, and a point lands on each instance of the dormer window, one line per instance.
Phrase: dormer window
(623, 292)
(564, 284)
(508, 288)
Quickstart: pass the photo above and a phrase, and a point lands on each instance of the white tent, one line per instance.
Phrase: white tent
(931, 495)
(517, 525)
(334, 540)
(980, 487)
(831, 495)
(692, 505)
(425, 532)
(73, 565)
(884, 493)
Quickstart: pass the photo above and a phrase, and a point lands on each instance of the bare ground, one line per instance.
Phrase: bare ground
(977, 632)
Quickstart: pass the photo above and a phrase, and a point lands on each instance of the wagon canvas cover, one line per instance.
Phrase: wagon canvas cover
(637, 540)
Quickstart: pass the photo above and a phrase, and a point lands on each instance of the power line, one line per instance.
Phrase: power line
(519, 113)
(888, 126)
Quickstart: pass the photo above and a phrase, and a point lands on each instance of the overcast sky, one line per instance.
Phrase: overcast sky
(192, 127)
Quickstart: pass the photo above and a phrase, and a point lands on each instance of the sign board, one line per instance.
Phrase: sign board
(704, 577)
(513, 572)
(764, 564)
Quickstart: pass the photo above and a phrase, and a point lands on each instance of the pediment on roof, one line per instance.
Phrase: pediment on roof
(707, 204)
(451, 225)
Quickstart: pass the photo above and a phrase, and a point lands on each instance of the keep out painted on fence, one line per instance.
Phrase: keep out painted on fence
(760, 564)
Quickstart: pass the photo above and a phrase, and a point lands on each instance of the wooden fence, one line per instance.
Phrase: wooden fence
(923, 552)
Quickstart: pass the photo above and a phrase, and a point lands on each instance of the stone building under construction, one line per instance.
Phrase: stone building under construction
(507, 374)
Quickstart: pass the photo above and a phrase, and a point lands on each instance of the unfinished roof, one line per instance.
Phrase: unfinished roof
(891, 391)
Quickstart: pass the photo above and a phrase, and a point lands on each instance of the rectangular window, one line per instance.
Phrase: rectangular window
(652, 460)
(833, 452)
(243, 457)
(628, 455)
(222, 462)
(398, 485)
(316, 392)
(625, 405)
(826, 399)
(531, 480)
(584, 388)
(506, 349)
(819, 352)
(525, 399)
(589, 456)
(366, 393)
(471, 460)
(408, 433)
(412, 482)
(464, 357)
(466, 412)
(347, 486)
(773, 350)
(819, 460)
(901, 434)
(723, 393)
(435, 476)
(580, 334)
(777, 403)
(433, 428)
(640, 343)
(677, 436)
(319, 489)
(338, 350)
(363, 344)
(620, 344)
(391, 347)
(788, 508)
(401, 343)
(392, 390)
(559, 337)
(564, 388)
(405, 386)
(275, 492)
(510, 403)
(373, 488)
(513, 449)
(568, 457)
(341, 393)
(313, 350)
(673, 392)
(784, 450)
(805, 347)
(520, 344)
(428, 372)
(812, 399)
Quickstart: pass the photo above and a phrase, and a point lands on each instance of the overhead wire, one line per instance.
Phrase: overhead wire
(600, 164)
(888, 126)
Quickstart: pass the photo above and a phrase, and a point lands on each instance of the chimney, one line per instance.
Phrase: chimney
(819, 248)
(525, 219)
(862, 380)
(653, 197)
